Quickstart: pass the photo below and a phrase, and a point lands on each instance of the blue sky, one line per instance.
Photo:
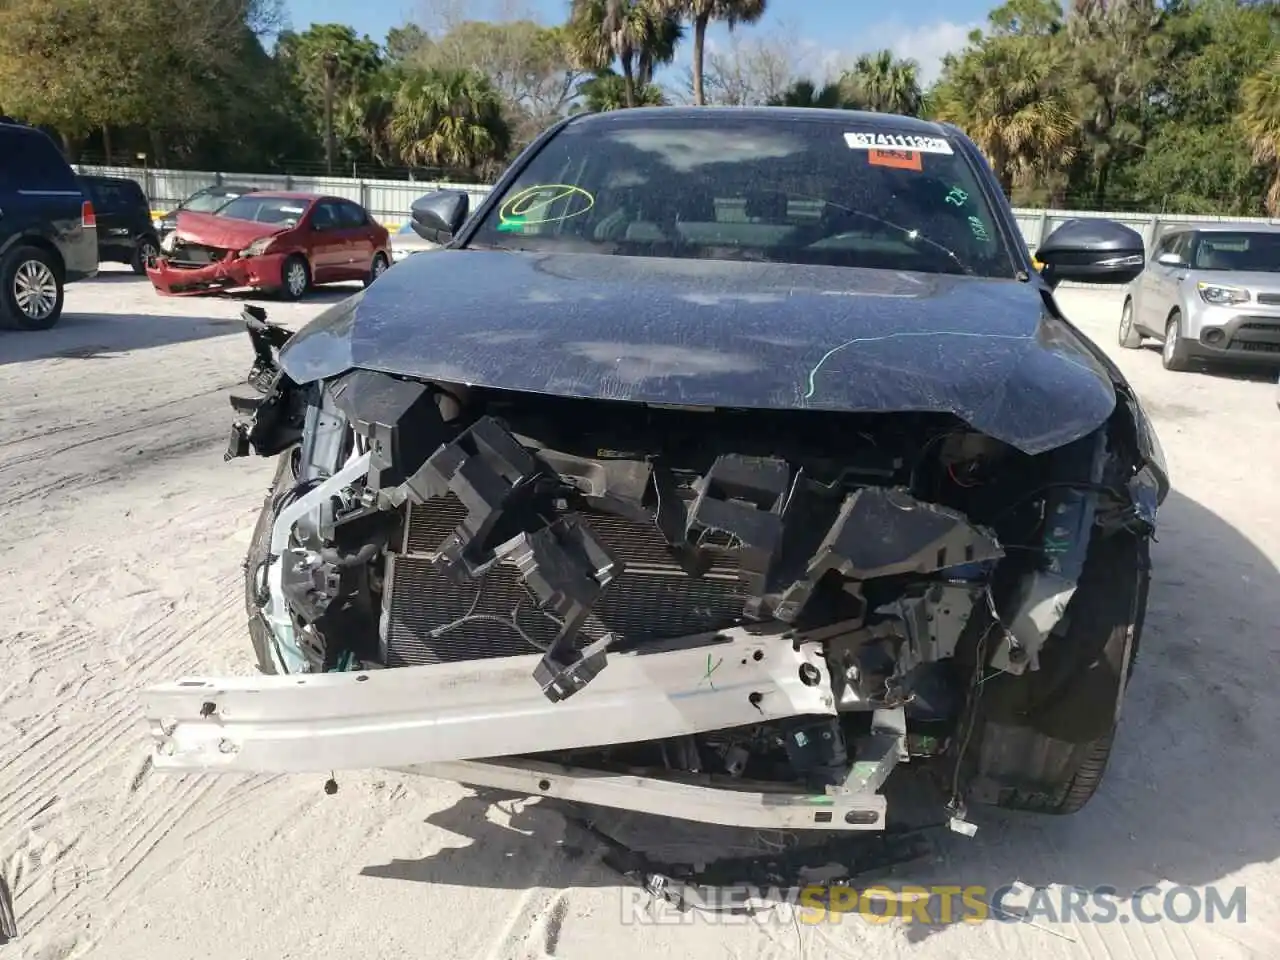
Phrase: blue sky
(825, 32)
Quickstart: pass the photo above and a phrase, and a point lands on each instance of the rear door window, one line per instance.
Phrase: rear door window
(327, 216)
(30, 161)
(353, 215)
(108, 196)
(131, 194)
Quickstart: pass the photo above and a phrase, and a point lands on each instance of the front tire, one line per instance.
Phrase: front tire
(1174, 354)
(1130, 338)
(31, 289)
(144, 251)
(1044, 738)
(295, 278)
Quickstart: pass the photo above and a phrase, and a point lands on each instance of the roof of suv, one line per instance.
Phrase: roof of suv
(100, 178)
(860, 119)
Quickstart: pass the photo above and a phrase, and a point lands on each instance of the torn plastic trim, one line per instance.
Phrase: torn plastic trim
(1043, 594)
(286, 651)
(481, 709)
(267, 407)
(766, 809)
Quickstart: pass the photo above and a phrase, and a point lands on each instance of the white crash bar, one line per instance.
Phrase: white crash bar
(480, 708)
(704, 803)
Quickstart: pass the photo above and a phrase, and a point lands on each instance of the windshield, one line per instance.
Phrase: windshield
(1243, 252)
(208, 202)
(260, 209)
(782, 191)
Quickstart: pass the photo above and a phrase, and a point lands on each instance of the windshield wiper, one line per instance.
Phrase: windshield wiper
(910, 234)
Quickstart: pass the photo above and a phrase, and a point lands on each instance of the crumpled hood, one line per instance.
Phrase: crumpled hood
(721, 333)
(222, 232)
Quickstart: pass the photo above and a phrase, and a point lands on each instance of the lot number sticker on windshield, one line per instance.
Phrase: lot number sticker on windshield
(898, 159)
(896, 141)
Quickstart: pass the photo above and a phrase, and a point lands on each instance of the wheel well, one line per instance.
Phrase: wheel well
(40, 243)
(1175, 312)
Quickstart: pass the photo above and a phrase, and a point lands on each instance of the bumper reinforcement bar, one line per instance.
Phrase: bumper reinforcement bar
(704, 802)
(481, 709)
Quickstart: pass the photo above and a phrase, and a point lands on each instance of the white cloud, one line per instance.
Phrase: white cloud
(925, 43)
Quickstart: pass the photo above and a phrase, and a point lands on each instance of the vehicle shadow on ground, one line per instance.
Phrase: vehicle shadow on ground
(1225, 371)
(318, 295)
(97, 336)
(1188, 798)
(118, 276)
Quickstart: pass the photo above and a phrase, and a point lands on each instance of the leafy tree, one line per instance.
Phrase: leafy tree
(1196, 157)
(448, 118)
(1004, 91)
(364, 119)
(607, 91)
(1116, 49)
(638, 34)
(882, 82)
(329, 64)
(1260, 117)
(528, 64)
(406, 43)
(85, 66)
(804, 93)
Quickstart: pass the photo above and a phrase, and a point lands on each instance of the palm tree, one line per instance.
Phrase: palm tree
(364, 117)
(1003, 94)
(1260, 118)
(660, 50)
(700, 13)
(607, 91)
(883, 83)
(639, 34)
(804, 93)
(448, 118)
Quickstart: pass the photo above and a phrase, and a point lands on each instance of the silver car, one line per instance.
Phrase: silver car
(405, 242)
(1210, 292)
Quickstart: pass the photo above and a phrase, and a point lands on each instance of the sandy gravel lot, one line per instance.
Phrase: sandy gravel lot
(121, 536)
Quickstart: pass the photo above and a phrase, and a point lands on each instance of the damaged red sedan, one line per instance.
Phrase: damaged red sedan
(282, 243)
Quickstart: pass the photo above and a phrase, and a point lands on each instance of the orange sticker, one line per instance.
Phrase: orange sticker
(898, 159)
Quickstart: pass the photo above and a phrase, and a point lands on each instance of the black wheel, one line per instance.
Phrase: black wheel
(1130, 338)
(1174, 354)
(1045, 737)
(296, 278)
(146, 250)
(380, 264)
(254, 565)
(31, 289)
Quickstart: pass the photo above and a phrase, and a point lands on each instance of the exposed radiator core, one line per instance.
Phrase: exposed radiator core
(431, 619)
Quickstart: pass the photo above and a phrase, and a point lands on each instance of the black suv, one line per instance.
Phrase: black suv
(125, 231)
(48, 231)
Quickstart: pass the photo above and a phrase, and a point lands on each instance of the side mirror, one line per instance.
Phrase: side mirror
(437, 216)
(1091, 251)
(1170, 260)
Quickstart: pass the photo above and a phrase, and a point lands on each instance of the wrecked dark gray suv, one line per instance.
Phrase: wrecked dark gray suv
(721, 463)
